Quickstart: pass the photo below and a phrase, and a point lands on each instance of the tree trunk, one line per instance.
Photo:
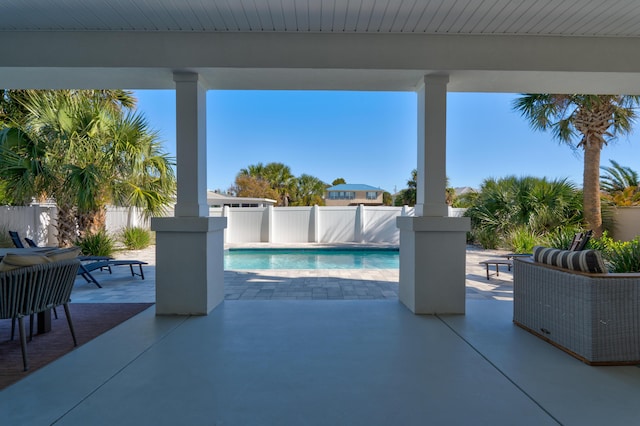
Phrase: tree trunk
(591, 188)
(91, 222)
(66, 225)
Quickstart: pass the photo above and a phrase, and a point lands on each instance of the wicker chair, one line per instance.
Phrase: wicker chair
(34, 289)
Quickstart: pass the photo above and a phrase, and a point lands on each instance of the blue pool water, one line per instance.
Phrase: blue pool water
(310, 259)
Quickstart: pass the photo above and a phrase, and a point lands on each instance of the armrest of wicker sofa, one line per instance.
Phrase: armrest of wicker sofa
(594, 317)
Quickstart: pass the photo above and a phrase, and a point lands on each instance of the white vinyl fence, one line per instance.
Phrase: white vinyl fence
(375, 224)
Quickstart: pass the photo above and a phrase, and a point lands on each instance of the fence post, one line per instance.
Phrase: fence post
(315, 223)
(225, 213)
(359, 234)
(270, 226)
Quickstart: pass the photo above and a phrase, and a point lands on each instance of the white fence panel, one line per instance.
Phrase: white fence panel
(380, 225)
(31, 222)
(119, 218)
(456, 212)
(337, 224)
(292, 225)
(247, 225)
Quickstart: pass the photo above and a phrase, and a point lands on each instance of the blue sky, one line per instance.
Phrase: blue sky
(370, 138)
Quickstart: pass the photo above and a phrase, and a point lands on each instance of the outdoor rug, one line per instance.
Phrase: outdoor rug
(89, 320)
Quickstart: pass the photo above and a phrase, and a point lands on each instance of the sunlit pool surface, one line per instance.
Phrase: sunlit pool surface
(235, 259)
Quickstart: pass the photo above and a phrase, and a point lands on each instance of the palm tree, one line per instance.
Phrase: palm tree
(282, 180)
(621, 185)
(309, 191)
(539, 205)
(618, 178)
(254, 170)
(595, 119)
(85, 150)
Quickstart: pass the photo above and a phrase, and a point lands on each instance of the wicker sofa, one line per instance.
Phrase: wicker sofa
(592, 316)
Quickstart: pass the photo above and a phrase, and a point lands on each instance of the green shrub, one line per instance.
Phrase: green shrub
(521, 240)
(487, 238)
(602, 244)
(98, 244)
(624, 256)
(540, 205)
(5, 239)
(135, 238)
(562, 237)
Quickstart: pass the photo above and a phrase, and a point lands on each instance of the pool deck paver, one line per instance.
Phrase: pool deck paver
(289, 284)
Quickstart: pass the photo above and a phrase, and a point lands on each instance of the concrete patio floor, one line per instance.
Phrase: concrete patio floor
(328, 362)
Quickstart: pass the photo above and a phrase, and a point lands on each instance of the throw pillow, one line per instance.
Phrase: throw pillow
(14, 260)
(583, 261)
(63, 254)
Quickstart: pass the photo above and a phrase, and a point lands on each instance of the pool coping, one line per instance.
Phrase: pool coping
(312, 246)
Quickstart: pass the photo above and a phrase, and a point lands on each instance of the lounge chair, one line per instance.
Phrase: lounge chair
(82, 271)
(580, 241)
(92, 263)
(15, 238)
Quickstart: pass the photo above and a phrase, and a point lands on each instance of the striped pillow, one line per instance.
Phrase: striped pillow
(583, 261)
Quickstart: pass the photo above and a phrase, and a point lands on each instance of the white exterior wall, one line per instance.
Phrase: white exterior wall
(626, 223)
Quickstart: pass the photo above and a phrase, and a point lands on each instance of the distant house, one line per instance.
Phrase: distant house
(347, 194)
(219, 200)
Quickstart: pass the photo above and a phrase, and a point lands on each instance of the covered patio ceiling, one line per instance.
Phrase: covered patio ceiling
(491, 46)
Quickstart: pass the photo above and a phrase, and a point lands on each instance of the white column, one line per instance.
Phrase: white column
(191, 145)
(432, 246)
(432, 146)
(189, 246)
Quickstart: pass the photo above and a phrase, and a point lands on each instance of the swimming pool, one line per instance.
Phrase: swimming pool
(235, 259)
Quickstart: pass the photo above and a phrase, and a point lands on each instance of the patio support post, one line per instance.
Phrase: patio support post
(432, 245)
(190, 245)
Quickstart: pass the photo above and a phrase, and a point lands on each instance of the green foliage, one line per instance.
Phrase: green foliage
(275, 181)
(624, 256)
(5, 239)
(561, 237)
(538, 205)
(465, 200)
(135, 238)
(98, 244)
(486, 238)
(522, 240)
(338, 181)
(602, 244)
(618, 178)
(86, 149)
(407, 196)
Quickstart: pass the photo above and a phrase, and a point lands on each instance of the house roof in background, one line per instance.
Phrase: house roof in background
(354, 187)
(214, 199)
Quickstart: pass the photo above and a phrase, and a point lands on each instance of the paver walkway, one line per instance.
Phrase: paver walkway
(265, 284)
